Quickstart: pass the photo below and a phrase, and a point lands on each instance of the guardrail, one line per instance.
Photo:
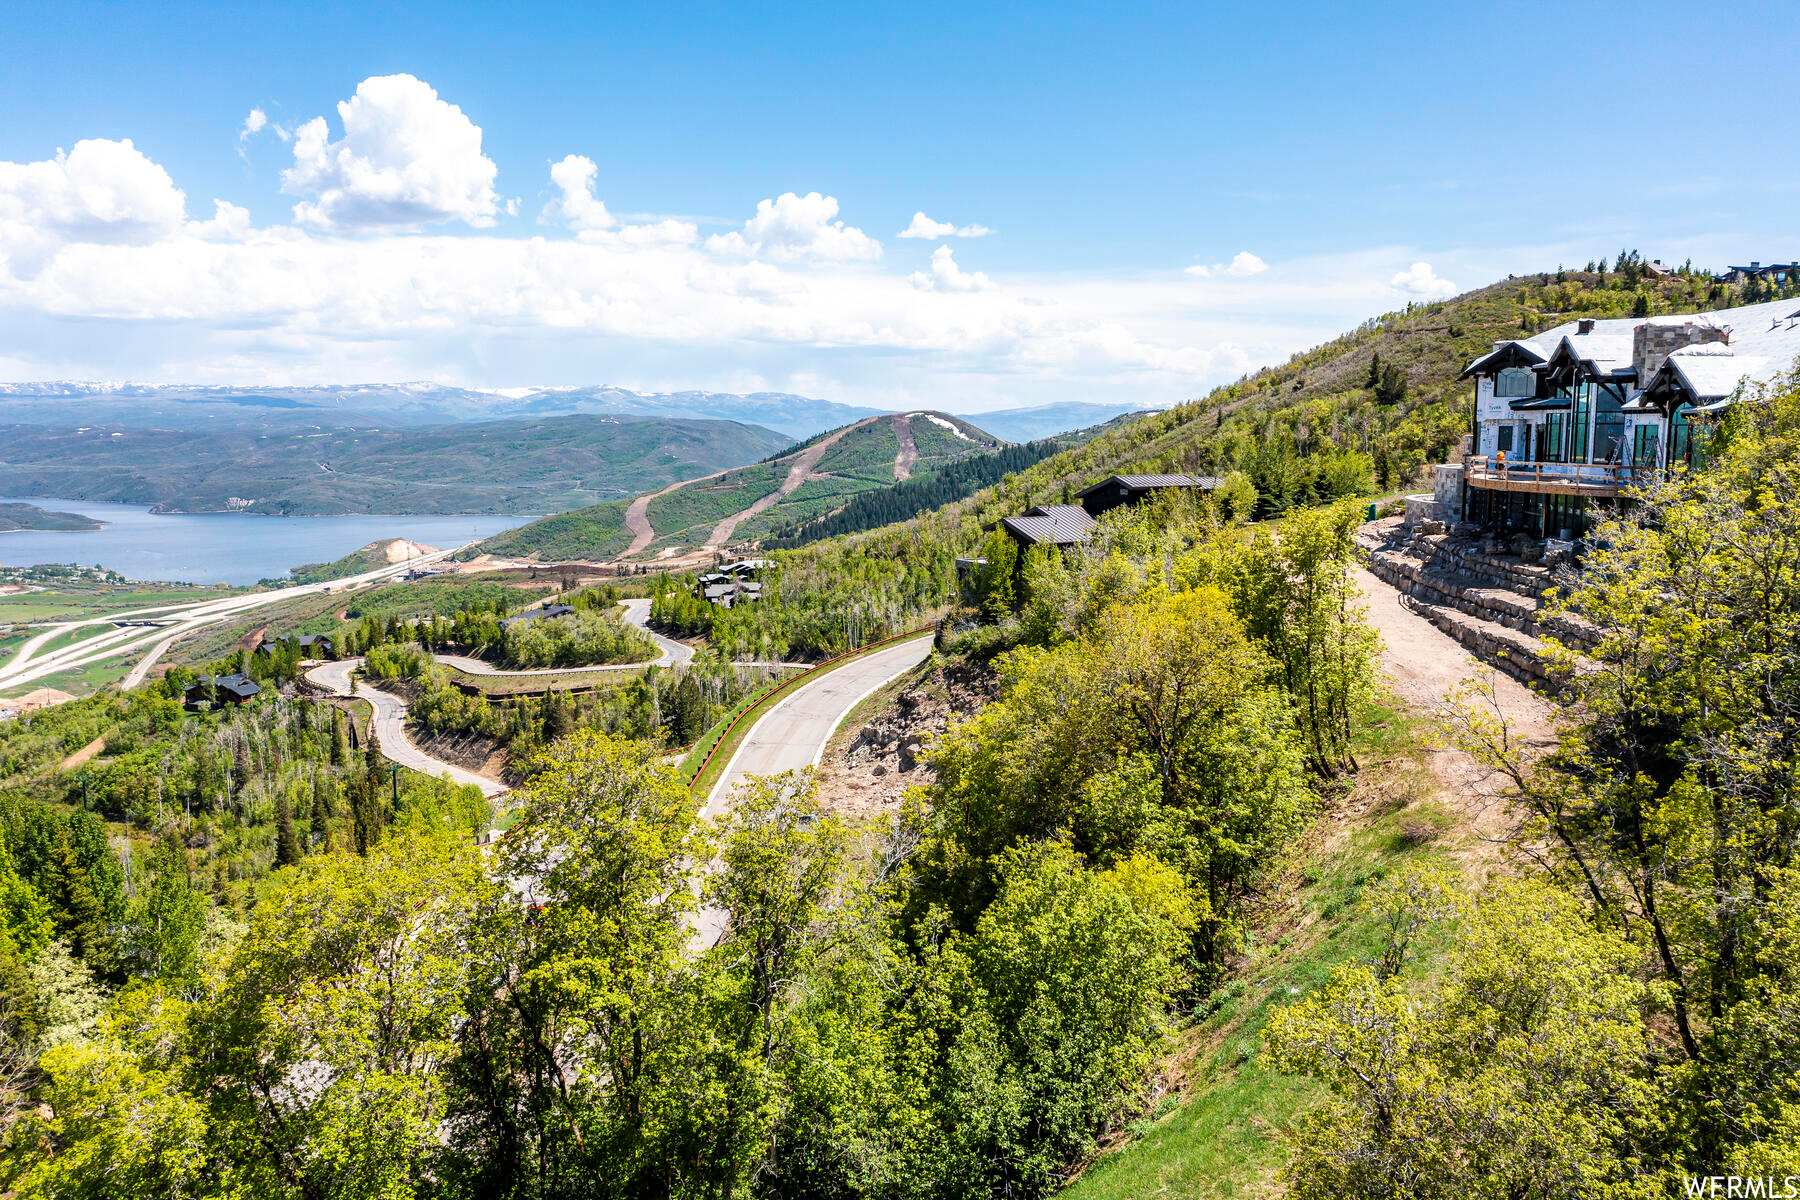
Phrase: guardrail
(1582, 477)
(793, 681)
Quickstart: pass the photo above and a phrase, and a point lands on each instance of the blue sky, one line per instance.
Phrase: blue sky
(1325, 150)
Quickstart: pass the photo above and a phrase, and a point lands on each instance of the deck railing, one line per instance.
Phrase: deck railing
(1575, 478)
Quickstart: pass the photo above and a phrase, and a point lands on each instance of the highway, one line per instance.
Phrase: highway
(32, 661)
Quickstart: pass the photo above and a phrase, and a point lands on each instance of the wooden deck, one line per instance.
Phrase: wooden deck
(1601, 480)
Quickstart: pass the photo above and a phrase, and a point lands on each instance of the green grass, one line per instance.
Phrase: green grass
(594, 532)
(706, 504)
(1225, 1134)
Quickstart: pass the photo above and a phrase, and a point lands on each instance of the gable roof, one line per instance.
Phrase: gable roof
(1139, 483)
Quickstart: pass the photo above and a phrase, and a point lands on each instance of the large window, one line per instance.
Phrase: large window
(1504, 445)
(1516, 383)
(1552, 441)
(1583, 398)
(1681, 438)
(1643, 445)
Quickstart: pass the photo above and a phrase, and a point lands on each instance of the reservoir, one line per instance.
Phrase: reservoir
(235, 548)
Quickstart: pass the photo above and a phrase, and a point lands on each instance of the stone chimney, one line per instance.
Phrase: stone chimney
(1651, 344)
(1584, 325)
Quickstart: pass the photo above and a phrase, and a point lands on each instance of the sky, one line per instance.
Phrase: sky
(966, 207)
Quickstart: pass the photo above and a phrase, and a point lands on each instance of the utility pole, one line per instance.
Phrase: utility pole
(394, 778)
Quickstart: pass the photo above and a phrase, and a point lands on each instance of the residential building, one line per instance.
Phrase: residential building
(223, 689)
(1581, 412)
(549, 612)
(1050, 525)
(1116, 490)
(311, 645)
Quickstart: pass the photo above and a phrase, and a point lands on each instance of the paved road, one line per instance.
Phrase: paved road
(793, 733)
(390, 726)
(638, 613)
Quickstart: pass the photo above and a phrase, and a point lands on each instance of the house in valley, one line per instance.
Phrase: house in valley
(310, 645)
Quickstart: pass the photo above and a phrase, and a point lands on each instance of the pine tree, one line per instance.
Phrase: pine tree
(80, 917)
(1374, 379)
(287, 844)
(340, 738)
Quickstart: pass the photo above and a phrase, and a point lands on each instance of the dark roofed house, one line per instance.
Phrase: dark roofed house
(1115, 490)
(311, 645)
(1050, 525)
(224, 689)
(548, 613)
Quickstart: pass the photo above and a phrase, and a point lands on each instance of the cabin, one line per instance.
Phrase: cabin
(1575, 416)
(1117, 490)
(743, 568)
(1060, 525)
(224, 689)
(310, 645)
(549, 612)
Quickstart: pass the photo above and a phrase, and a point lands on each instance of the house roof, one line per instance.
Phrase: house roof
(1764, 341)
(535, 614)
(1138, 483)
(1040, 530)
(241, 686)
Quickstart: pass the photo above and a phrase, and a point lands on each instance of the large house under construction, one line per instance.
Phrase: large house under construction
(1580, 413)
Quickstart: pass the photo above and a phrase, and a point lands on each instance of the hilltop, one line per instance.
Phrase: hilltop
(751, 502)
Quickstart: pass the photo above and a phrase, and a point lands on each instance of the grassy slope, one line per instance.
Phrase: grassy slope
(1321, 394)
(1221, 1131)
(503, 466)
(862, 460)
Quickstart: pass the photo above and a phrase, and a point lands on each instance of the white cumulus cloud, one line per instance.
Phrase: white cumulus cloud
(101, 191)
(924, 227)
(253, 123)
(406, 159)
(1243, 265)
(946, 276)
(228, 221)
(1420, 280)
(577, 205)
(793, 228)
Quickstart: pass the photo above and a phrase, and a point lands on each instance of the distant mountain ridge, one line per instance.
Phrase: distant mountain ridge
(204, 406)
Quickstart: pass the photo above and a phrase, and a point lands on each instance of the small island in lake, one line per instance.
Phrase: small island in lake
(30, 516)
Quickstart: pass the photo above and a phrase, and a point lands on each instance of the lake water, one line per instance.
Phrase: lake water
(237, 548)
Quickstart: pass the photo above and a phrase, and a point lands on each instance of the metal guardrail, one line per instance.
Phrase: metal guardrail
(797, 680)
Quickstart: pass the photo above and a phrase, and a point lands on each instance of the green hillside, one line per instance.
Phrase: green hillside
(840, 466)
(1364, 413)
(529, 466)
(30, 516)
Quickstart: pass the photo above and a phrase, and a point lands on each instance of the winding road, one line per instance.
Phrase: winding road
(390, 726)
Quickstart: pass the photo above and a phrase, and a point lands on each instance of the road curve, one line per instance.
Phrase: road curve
(27, 663)
(793, 733)
(390, 726)
(637, 613)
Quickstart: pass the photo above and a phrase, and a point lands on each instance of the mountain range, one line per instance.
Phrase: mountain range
(193, 406)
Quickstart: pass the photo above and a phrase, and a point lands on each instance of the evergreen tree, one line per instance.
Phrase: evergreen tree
(80, 916)
(287, 843)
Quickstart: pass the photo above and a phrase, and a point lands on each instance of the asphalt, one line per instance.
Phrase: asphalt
(390, 726)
